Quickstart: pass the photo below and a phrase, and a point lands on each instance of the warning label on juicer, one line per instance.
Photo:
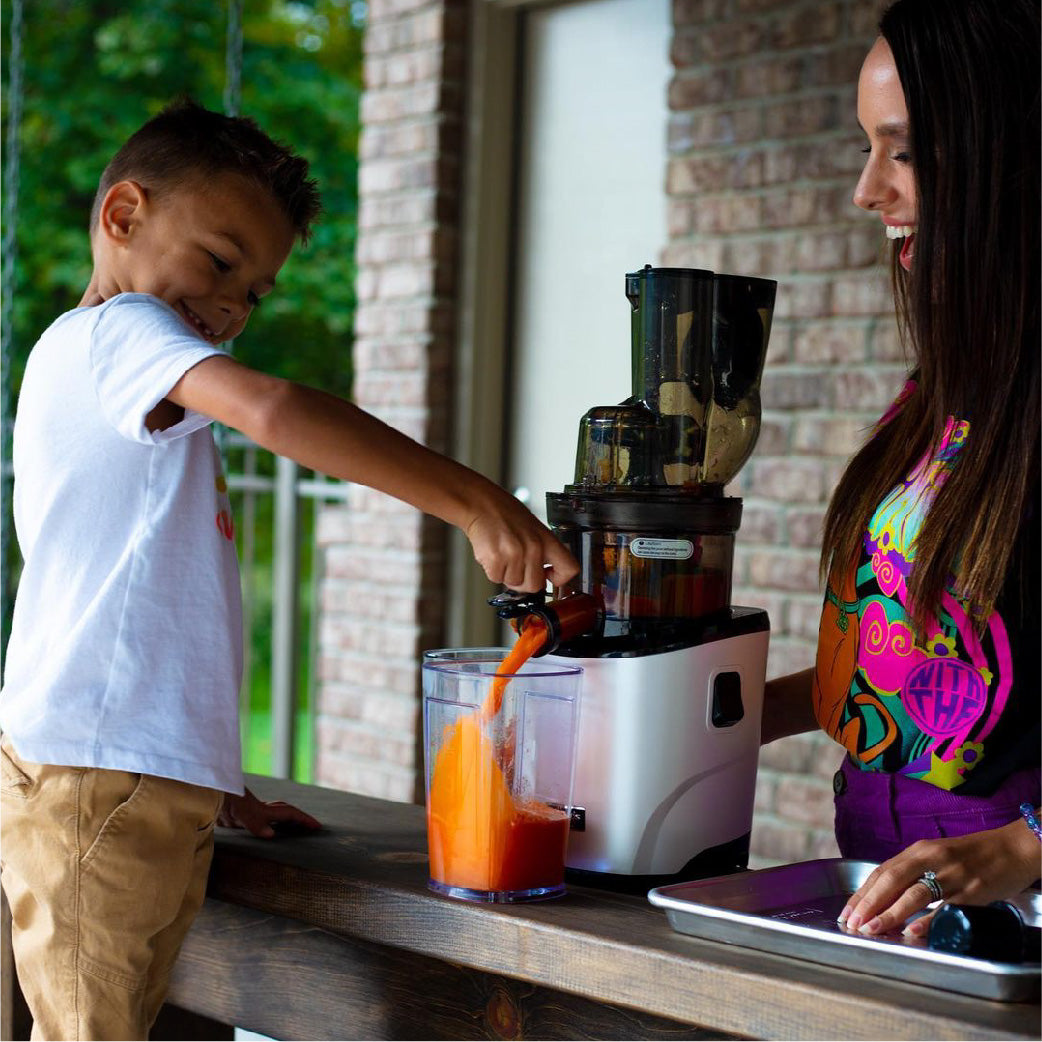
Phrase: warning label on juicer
(663, 549)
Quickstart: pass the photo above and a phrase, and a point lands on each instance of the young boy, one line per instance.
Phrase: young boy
(119, 708)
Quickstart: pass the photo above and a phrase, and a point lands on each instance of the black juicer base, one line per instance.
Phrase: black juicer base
(723, 860)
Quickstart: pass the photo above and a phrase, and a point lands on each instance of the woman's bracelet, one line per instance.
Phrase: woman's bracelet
(1027, 812)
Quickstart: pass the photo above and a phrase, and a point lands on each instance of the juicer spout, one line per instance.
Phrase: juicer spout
(574, 615)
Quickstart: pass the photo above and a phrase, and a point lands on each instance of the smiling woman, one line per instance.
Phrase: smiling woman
(887, 183)
(931, 543)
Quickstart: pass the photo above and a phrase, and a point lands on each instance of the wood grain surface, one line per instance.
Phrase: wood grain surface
(284, 978)
(336, 935)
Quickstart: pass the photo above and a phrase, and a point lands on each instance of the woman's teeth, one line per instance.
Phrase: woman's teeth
(899, 231)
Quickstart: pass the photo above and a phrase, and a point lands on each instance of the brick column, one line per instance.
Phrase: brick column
(764, 152)
(384, 562)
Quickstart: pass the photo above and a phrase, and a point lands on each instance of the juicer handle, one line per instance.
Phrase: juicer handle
(510, 604)
(515, 607)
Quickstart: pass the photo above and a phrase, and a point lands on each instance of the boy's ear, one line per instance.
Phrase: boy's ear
(121, 210)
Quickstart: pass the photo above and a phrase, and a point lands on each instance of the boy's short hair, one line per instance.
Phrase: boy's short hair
(186, 140)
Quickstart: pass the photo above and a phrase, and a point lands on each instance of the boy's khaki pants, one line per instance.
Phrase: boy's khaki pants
(104, 872)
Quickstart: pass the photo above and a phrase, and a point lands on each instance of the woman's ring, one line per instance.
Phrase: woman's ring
(929, 880)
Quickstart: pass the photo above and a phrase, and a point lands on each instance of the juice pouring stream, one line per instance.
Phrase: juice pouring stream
(480, 836)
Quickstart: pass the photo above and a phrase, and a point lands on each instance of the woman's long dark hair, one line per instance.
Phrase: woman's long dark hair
(969, 308)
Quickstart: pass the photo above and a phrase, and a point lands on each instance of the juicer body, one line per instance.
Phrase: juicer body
(665, 775)
(669, 731)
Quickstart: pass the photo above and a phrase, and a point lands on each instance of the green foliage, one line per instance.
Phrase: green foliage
(95, 70)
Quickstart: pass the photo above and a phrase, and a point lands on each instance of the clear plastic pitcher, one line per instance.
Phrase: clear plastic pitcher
(498, 783)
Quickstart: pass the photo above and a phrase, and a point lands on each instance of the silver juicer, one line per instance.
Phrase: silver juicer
(669, 729)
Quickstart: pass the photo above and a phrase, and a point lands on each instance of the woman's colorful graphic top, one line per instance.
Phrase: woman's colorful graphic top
(928, 710)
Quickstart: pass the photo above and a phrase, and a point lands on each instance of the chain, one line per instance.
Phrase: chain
(11, 173)
(232, 104)
(9, 247)
(233, 60)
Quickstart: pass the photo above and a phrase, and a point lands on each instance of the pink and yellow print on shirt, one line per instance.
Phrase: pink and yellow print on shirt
(922, 709)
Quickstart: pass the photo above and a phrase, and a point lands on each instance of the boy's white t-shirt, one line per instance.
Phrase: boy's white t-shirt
(126, 642)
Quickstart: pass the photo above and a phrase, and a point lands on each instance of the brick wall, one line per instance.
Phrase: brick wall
(764, 151)
(383, 561)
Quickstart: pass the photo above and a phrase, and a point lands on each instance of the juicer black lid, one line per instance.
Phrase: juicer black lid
(672, 273)
(768, 286)
(764, 286)
(647, 510)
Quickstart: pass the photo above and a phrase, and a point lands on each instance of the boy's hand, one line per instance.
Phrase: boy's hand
(516, 550)
(264, 820)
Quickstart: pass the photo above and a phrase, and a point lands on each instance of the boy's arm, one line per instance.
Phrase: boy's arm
(335, 437)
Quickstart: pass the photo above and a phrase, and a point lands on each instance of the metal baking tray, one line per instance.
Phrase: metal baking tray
(792, 909)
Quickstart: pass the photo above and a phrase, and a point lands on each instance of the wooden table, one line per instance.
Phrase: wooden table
(336, 936)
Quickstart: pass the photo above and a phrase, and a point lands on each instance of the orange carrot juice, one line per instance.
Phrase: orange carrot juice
(481, 836)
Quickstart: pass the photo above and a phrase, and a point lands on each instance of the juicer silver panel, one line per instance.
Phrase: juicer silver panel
(659, 781)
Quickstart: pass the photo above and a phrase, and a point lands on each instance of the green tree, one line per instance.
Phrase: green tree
(94, 70)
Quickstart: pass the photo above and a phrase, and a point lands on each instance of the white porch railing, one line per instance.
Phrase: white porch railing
(290, 490)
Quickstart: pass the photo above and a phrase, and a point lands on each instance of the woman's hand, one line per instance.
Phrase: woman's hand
(257, 817)
(974, 869)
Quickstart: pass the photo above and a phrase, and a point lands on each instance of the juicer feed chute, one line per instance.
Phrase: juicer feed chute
(698, 346)
(742, 310)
